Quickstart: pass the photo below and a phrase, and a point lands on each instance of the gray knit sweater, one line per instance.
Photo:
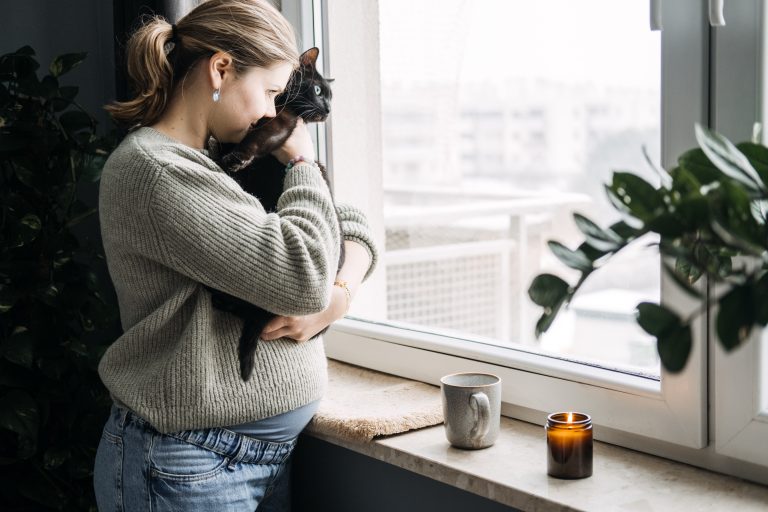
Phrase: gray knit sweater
(173, 221)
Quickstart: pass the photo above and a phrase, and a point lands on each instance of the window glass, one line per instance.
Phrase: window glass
(500, 119)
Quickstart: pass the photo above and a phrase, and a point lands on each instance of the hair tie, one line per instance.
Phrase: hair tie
(174, 33)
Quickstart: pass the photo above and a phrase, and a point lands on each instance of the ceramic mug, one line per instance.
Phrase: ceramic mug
(471, 408)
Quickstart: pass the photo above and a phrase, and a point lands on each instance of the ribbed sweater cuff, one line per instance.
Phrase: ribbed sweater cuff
(354, 227)
(304, 174)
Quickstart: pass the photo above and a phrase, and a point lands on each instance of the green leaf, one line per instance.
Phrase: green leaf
(637, 195)
(597, 237)
(684, 279)
(7, 298)
(550, 292)
(694, 170)
(49, 87)
(574, 259)
(674, 348)
(75, 120)
(728, 158)
(21, 63)
(25, 50)
(736, 317)
(626, 231)
(686, 271)
(90, 170)
(31, 222)
(693, 212)
(19, 347)
(735, 237)
(667, 224)
(664, 176)
(66, 97)
(757, 155)
(55, 457)
(657, 320)
(27, 230)
(547, 290)
(27, 176)
(593, 254)
(759, 209)
(18, 413)
(546, 320)
(64, 63)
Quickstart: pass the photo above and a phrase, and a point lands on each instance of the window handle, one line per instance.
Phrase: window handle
(716, 18)
(655, 14)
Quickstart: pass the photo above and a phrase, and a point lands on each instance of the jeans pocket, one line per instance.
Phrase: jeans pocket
(180, 461)
(108, 473)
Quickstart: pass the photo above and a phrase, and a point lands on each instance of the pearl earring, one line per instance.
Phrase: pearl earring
(216, 95)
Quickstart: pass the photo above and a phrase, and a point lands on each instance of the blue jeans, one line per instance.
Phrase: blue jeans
(139, 469)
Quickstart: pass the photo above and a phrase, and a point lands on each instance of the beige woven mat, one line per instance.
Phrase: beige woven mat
(361, 404)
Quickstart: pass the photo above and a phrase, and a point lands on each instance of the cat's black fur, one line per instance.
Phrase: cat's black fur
(260, 174)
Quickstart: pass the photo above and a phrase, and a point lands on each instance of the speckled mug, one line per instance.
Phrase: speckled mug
(472, 409)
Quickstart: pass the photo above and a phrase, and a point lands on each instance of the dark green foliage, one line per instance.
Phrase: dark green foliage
(710, 213)
(54, 314)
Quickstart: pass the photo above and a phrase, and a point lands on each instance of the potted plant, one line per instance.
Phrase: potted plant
(710, 213)
(56, 317)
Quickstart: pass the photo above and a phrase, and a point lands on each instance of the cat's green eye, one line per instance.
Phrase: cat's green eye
(318, 90)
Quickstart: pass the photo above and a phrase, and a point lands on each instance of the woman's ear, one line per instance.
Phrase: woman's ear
(221, 67)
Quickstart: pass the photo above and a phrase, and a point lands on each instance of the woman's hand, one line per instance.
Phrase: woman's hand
(299, 143)
(303, 328)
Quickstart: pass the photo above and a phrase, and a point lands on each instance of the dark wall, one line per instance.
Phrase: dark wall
(327, 477)
(53, 28)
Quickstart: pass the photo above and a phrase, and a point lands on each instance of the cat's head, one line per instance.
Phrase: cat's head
(308, 94)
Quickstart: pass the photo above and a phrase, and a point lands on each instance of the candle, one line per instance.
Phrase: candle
(569, 445)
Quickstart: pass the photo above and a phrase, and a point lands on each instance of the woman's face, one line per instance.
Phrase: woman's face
(247, 98)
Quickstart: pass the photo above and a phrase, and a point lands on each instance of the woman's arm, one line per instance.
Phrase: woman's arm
(357, 262)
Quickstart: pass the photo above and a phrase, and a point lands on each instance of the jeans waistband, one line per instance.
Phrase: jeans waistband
(236, 447)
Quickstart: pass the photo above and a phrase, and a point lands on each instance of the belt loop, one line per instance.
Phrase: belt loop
(241, 449)
(123, 417)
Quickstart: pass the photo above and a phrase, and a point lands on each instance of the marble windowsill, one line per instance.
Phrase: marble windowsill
(513, 472)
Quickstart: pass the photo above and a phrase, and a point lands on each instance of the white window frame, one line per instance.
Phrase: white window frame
(740, 421)
(668, 418)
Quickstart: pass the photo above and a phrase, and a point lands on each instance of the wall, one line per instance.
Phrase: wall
(55, 28)
(327, 477)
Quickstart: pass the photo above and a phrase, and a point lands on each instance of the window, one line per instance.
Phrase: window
(382, 141)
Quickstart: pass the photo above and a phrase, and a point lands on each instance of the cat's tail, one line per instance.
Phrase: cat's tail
(249, 340)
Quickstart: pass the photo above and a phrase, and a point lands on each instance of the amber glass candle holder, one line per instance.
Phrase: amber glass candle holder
(569, 445)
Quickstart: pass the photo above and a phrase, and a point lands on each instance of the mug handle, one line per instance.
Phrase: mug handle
(479, 403)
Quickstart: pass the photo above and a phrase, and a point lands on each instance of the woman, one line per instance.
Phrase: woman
(185, 432)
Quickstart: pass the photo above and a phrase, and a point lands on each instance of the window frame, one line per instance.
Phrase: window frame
(739, 412)
(669, 418)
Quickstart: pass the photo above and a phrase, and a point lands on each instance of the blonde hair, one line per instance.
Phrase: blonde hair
(253, 32)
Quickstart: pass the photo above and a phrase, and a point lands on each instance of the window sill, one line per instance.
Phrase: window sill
(513, 473)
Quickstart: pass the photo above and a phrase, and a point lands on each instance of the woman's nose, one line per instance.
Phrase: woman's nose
(271, 112)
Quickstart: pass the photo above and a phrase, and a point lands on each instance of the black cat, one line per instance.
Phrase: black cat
(251, 164)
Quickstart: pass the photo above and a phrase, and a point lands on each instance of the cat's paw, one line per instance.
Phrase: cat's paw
(235, 161)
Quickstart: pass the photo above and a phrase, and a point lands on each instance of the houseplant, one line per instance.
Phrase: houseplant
(56, 315)
(710, 212)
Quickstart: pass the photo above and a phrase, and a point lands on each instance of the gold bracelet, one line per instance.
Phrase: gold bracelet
(347, 293)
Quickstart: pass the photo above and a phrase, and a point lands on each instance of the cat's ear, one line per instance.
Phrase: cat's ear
(309, 57)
